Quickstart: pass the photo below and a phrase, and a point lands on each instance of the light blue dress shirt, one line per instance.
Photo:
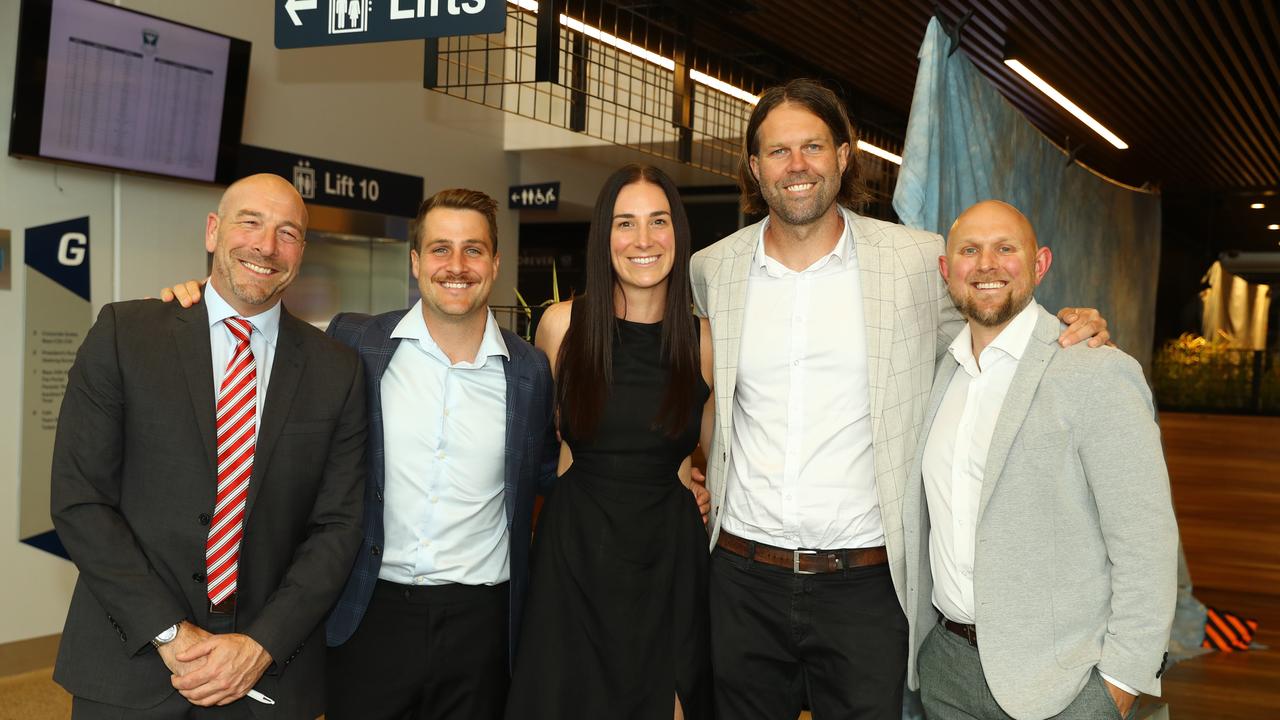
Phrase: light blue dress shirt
(444, 429)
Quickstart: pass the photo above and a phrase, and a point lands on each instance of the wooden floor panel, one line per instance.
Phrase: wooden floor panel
(1225, 475)
(1231, 686)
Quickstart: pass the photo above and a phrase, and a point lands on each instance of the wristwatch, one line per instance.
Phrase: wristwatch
(166, 636)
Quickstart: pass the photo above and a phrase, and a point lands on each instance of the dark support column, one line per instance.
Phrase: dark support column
(431, 63)
(546, 57)
(682, 111)
(577, 85)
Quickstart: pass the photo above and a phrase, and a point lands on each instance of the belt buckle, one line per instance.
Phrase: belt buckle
(795, 561)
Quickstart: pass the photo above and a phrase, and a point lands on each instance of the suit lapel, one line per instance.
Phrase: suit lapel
(1017, 402)
(730, 304)
(286, 371)
(375, 366)
(191, 334)
(517, 374)
(914, 510)
(876, 274)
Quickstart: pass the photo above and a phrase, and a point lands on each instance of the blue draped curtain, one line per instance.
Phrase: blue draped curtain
(966, 143)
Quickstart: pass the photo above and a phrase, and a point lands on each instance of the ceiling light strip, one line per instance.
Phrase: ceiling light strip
(867, 147)
(668, 64)
(1066, 104)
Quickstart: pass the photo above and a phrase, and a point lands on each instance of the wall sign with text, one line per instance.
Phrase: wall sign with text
(337, 184)
(58, 315)
(308, 23)
(542, 196)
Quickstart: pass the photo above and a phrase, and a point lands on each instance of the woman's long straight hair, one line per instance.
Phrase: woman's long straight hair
(585, 362)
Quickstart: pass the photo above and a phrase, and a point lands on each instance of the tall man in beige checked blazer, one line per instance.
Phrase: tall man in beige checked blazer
(826, 326)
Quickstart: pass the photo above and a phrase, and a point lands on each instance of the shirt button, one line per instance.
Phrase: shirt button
(434, 499)
(426, 543)
(795, 363)
(420, 580)
(440, 455)
(446, 412)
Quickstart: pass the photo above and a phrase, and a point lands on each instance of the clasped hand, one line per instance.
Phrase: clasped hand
(213, 669)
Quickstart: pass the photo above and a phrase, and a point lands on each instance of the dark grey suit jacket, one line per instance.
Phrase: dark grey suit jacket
(134, 482)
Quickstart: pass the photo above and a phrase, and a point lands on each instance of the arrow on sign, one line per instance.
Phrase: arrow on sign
(515, 197)
(293, 6)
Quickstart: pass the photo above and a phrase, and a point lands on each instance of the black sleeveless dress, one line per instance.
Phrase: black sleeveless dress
(616, 620)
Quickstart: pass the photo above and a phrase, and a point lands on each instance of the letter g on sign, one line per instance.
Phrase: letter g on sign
(71, 249)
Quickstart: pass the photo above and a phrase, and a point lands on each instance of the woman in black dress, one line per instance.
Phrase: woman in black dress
(616, 621)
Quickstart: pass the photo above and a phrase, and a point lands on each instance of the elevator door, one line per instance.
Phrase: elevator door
(353, 262)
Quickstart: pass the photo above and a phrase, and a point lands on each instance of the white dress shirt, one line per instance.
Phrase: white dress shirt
(222, 345)
(444, 437)
(955, 460)
(800, 469)
(955, 457)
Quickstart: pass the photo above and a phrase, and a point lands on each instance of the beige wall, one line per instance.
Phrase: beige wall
(361, 104)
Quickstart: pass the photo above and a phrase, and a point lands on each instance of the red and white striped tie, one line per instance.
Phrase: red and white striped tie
(237, 419)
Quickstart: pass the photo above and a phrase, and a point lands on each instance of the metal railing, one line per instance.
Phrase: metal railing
(618, 73)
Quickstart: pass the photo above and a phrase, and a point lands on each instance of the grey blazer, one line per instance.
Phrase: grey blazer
(1075, 563)
(909, 318)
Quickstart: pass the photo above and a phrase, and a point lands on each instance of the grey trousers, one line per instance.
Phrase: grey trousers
(952, 686)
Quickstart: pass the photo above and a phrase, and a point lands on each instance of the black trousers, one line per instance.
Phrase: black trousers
(779, 639)
(428, 652)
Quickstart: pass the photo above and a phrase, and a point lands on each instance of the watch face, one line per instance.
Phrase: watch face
(168, 635)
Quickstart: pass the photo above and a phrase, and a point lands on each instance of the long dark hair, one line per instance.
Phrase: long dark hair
(585, 363)
(821, 101)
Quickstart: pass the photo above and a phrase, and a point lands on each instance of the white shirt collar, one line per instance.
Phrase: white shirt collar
(413, 326)
(1012, 340)
(839, 253)
(267, 322)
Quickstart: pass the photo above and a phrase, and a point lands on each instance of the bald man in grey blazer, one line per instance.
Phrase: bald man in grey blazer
(1041, 540)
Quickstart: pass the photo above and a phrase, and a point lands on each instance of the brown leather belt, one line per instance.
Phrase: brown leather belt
(226, 607)
(968, 632)
(803, 562)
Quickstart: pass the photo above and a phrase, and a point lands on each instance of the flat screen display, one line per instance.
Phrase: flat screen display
(100, 85)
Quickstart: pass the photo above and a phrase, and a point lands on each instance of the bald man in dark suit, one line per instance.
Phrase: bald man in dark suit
(207, 481)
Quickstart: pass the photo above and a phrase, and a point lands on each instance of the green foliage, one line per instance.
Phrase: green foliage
(529, 324)
(1193, 373)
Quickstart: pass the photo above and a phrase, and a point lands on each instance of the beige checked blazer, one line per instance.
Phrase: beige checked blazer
(909, 319)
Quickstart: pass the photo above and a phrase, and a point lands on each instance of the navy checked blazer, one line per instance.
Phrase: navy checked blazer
(531, 454)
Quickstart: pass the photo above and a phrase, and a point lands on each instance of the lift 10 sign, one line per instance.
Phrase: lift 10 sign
(307, 23)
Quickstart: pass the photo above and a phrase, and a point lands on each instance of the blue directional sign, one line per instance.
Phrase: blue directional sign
(542, 196)
(308, 23)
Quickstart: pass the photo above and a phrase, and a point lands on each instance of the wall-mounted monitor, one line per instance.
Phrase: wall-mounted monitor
(103, 86)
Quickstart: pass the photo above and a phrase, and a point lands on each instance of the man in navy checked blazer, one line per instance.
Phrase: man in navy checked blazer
(461, 439)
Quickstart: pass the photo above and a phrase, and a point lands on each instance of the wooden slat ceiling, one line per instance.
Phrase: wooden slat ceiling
(1193, 86)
